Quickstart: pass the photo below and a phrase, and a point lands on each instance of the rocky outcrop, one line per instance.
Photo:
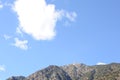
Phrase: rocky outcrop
(76, 71)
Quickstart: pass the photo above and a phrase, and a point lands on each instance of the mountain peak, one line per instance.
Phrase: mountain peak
(75, 72)
(52, 72)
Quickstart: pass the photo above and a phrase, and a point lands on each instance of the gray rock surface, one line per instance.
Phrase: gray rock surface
(75, 72)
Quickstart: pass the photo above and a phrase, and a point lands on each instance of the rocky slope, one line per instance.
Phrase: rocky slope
(75, 72)
(17, 78)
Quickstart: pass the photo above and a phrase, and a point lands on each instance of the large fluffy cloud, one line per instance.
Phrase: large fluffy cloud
(38, 19)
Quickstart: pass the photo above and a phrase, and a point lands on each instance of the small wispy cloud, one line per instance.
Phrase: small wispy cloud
(101, 63)
(2, 68)
(22, 44)
(18, 31)
(38, 19)
(6, 37)
(71, 16)
(1, 5)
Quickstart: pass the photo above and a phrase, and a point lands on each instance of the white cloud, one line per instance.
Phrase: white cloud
(38, 19)
(21, 44)
(71, 16)
(1, 6)
(6, 37)
(2, 68)
(101, 63)
(18, 30)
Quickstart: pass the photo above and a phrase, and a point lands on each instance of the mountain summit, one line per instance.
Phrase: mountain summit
(75, 72)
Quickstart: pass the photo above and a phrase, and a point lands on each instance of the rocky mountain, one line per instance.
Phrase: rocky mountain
(75, 72)
(17, 78)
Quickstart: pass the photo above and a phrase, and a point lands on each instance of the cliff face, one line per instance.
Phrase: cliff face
(75, 72)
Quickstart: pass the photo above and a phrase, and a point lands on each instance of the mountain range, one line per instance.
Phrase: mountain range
(75, 72)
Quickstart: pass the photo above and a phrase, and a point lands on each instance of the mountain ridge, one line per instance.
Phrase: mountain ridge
(75, 72)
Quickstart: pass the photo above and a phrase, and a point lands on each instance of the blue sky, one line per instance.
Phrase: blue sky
(37, 33)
